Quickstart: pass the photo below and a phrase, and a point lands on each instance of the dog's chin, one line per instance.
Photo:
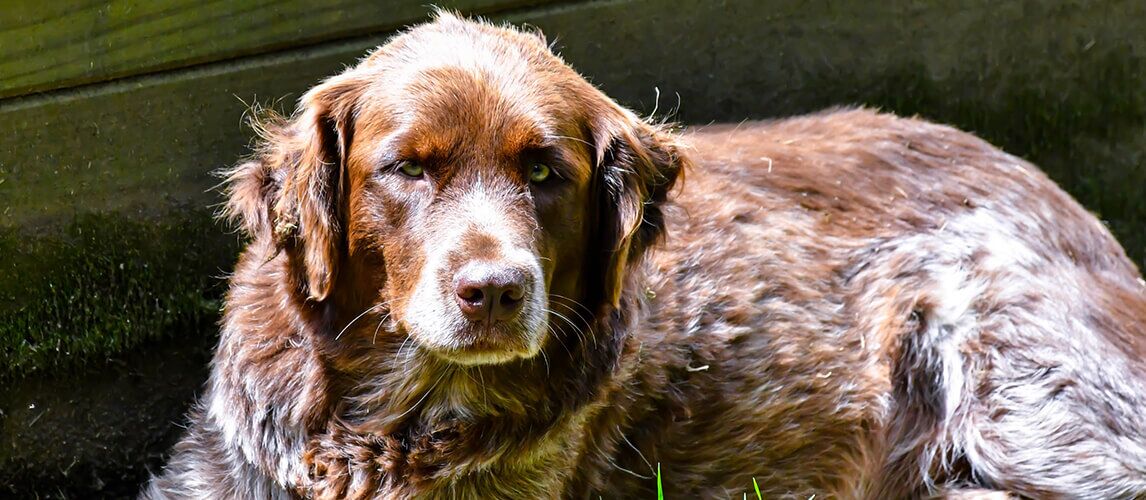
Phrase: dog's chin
(476, 346)
(472, 357)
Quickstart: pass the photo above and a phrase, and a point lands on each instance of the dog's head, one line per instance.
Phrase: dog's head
(461, 179)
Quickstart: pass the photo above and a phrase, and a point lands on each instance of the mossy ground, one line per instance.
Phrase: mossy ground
(103, 284)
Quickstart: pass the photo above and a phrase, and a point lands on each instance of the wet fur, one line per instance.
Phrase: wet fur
(847, 304)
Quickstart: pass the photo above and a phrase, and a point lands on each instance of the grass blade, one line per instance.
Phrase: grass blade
(660, 489)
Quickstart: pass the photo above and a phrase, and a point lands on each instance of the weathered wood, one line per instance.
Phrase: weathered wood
(140, 145)
(46, 45)
(1041, 79)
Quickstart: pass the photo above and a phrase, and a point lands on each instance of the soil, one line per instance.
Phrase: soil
(131, 410)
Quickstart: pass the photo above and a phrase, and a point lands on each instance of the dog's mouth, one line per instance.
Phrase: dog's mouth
(474, 344)
(488, 345)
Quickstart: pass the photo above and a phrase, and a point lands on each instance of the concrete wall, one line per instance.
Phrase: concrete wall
(113, 115)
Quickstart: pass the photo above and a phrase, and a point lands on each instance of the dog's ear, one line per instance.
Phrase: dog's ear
(637, 165)
(293, 189)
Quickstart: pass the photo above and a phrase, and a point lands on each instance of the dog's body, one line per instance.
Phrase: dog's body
(843, 305)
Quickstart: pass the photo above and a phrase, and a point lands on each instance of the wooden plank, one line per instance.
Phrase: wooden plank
(142, 144)
(46, 45)
(152, 141)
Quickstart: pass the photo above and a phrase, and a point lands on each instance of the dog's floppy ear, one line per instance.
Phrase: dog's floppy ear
(637, 165)
(293, 189)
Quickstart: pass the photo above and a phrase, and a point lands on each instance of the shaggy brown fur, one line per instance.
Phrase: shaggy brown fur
(847, 304)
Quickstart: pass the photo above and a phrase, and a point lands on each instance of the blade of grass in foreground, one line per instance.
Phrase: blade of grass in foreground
(660, 489)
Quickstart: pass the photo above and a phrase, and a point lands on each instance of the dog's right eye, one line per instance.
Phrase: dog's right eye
(539, 172)
(411, 169)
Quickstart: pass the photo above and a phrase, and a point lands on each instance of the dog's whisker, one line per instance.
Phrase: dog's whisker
(562, 299)
(576, 329)
(424, 396)
(356, 318)
(575, 139)
(648, 464)
(484, 389)
(381, 321)
(560, 337)
(583, 320)
(401, 346)
(566, 320)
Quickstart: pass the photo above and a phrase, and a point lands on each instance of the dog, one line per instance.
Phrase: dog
(471, 274)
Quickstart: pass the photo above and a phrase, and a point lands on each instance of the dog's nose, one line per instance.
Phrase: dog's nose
(491, 293)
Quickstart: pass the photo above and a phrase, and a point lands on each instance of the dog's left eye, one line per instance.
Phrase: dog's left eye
(411, 169)
(539, 172)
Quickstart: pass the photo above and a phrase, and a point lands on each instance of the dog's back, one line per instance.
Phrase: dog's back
(877, 305)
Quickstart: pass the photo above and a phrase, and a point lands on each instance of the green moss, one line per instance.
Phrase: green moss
(104, 284)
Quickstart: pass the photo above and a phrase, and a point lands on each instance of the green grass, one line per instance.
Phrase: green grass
(660, 487)
(104, 284)
(661, 490)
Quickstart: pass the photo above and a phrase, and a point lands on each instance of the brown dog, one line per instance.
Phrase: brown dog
(456, 286)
